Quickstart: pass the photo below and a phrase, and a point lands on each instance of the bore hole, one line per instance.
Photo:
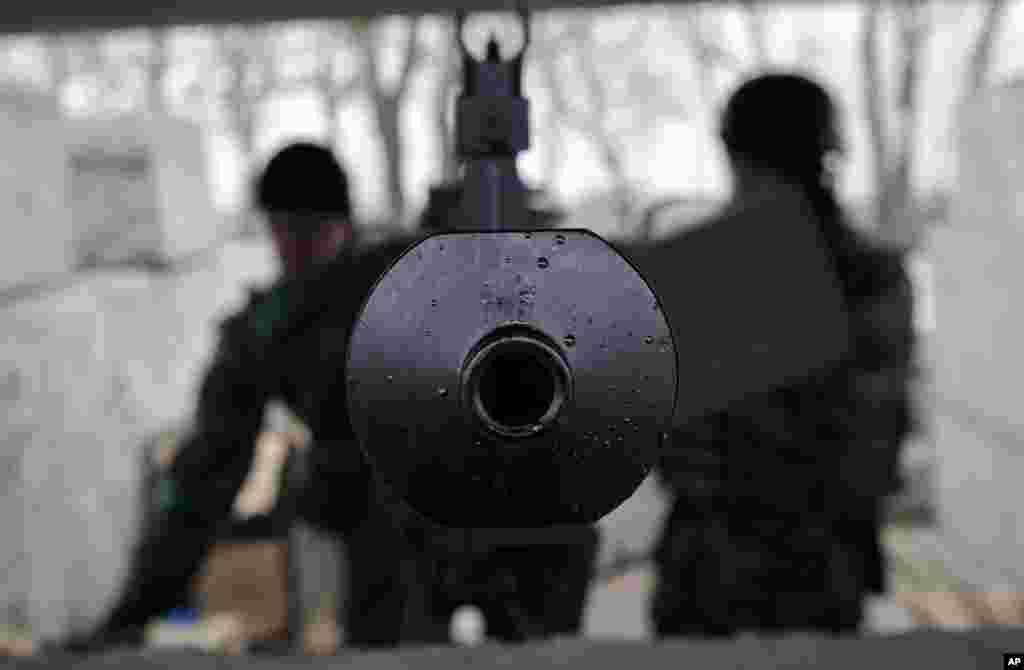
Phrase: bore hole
(516, 389)
(517, 384)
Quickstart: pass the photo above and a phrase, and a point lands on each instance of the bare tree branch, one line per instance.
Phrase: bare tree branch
(157, 68)
(411, 50)
(595, 122)
(334, 93)
(387, 105)
(874, 100)
(244, 53)
(980, 63)
(615, 97)
(365, 38)
(756, 30)
(448, 68)
(913, 32)
(691, 25)
(545, 49)
(592, 81)
(898, 195)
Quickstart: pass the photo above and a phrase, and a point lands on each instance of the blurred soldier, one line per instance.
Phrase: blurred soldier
(777, 500)
(280, 346)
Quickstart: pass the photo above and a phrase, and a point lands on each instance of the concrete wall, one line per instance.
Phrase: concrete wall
(977, 357)
(74, 427)
(92, 364)
(37, 237)
(86, 374)
(139, 185)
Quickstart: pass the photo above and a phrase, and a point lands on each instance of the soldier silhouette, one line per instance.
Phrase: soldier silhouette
(278, 347)
(776, 501)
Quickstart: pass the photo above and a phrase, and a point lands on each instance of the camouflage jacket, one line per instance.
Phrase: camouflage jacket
(829, 443)
(785, 487)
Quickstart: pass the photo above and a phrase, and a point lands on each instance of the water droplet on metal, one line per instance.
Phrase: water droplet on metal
(443, 392)
(391, 378)
(570, 340)
(627, 420)
(607, 444)
(648, 340)
(559, 239)
(528, 235)
(542, 262)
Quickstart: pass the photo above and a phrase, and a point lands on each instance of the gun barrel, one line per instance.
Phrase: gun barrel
(516, 384)
(512, 379)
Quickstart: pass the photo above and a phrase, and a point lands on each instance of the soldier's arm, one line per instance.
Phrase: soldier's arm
(200, 489)
(211, 467)
(888, 340)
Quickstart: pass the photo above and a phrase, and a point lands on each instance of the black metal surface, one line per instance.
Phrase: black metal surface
(926, 650)
(69, 15)
(408, 387)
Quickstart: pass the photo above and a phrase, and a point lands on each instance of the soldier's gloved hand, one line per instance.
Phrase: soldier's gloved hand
(101, 640)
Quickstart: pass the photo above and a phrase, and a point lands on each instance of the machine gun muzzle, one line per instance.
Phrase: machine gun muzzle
(512, 379)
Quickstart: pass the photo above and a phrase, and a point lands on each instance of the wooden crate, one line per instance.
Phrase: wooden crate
(248, 580)
(964, 610)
